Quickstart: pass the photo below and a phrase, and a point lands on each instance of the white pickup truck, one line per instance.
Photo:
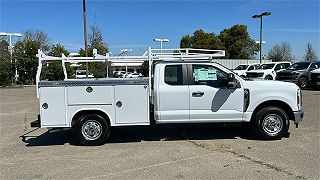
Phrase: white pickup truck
(181, 88)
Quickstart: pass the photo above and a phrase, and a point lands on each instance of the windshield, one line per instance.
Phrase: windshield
(266, 66)
(241, 67)
(299, 66)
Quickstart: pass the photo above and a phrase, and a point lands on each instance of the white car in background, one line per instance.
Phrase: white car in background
(134, 75)
(81, 74)
(243, 68)
(267, 71)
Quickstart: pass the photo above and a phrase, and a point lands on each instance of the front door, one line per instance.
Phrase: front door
(210, 99)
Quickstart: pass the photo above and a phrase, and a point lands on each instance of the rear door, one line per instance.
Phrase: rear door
(173, 94)
(210, 99)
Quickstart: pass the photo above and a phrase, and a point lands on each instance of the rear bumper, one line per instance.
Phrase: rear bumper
(298, 116)
(36, 123)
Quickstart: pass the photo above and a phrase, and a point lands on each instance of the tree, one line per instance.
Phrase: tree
(145, 68)
(96, 42)
(5, 64)
(237, 42)
(25, 54)
(38, 36)
(201, 40)
(310, 54)
(280, 52)
(54, 70)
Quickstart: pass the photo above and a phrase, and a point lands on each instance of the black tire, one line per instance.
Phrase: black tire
(303, 82)
(271, 123)
(268, 77)
(92, 130)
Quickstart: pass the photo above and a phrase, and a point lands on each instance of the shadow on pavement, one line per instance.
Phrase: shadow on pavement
(149, 133)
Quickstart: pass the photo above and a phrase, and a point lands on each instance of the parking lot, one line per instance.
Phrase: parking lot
(213, 151)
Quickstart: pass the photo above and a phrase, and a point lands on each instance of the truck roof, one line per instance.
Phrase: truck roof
(185, 61)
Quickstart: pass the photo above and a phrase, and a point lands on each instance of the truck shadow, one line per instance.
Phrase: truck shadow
(153, 133)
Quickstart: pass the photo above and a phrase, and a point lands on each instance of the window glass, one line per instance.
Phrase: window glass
(209, 75)
(256, 66)
(241, 67)
(299, 66)
(173, 75)
(266, 66)
(279, 66)
(286, 65)
(251, 68)
(315, 66)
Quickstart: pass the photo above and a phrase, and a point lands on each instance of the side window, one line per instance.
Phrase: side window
(279, 66)
(315, 66)
(209, 75)
(286, 65)
(251, 68)
(173, 75)
(256, 66)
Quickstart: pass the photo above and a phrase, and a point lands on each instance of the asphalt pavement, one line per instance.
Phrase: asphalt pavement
(206, 151)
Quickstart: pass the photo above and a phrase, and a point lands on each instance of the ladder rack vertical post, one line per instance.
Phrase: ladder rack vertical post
(64, 67)
(150, 69)
(40, 56)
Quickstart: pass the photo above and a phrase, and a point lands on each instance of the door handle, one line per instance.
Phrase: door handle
(197, 94)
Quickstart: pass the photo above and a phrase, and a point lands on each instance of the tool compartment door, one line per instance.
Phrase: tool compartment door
(52, 107)
(132, 104)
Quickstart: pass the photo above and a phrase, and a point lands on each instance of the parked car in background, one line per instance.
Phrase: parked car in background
(298, 73)
(314, 79)
(267, 71)
(118, 74)
(134, 75)
(80, 74)
(243, 68)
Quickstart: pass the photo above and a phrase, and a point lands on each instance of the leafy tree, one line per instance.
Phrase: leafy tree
(237, 42)
(145, 68)
(96, 42)
(5, 64)
(201, 40)
(310, 54)
(54, 70)
(25, 54)
(280, 52)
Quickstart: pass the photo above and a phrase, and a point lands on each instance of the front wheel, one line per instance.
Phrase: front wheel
(92, 129)
(271, 123)
(268, 77)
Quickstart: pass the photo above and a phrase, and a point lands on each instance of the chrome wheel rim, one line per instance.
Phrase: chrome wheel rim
(91, 130)
(272, 124)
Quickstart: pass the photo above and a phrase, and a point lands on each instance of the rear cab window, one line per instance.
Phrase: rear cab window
(173, 75)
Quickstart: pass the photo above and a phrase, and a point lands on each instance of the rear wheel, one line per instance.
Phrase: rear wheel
(271, 123)
(92, 129)
(303, 82)
(268, 77)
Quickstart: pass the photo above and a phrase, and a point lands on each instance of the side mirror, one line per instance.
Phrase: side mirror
(232, 82)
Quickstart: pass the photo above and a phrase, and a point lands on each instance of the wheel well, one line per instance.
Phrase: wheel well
(84, 112)
(275, 103)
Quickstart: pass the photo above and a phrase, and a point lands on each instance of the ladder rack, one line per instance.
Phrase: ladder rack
(152, 55)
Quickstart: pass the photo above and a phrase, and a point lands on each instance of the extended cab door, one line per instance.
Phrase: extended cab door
(172, 99)
(210, 99)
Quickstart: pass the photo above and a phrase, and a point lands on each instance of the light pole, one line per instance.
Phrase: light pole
(257, 16)
(85, 35)
(125, 51)
(161, 42)
(11, 50)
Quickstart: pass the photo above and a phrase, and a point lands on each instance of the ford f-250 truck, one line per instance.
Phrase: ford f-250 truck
(182, 87)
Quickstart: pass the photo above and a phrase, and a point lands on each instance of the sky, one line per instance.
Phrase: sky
(134, 24)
